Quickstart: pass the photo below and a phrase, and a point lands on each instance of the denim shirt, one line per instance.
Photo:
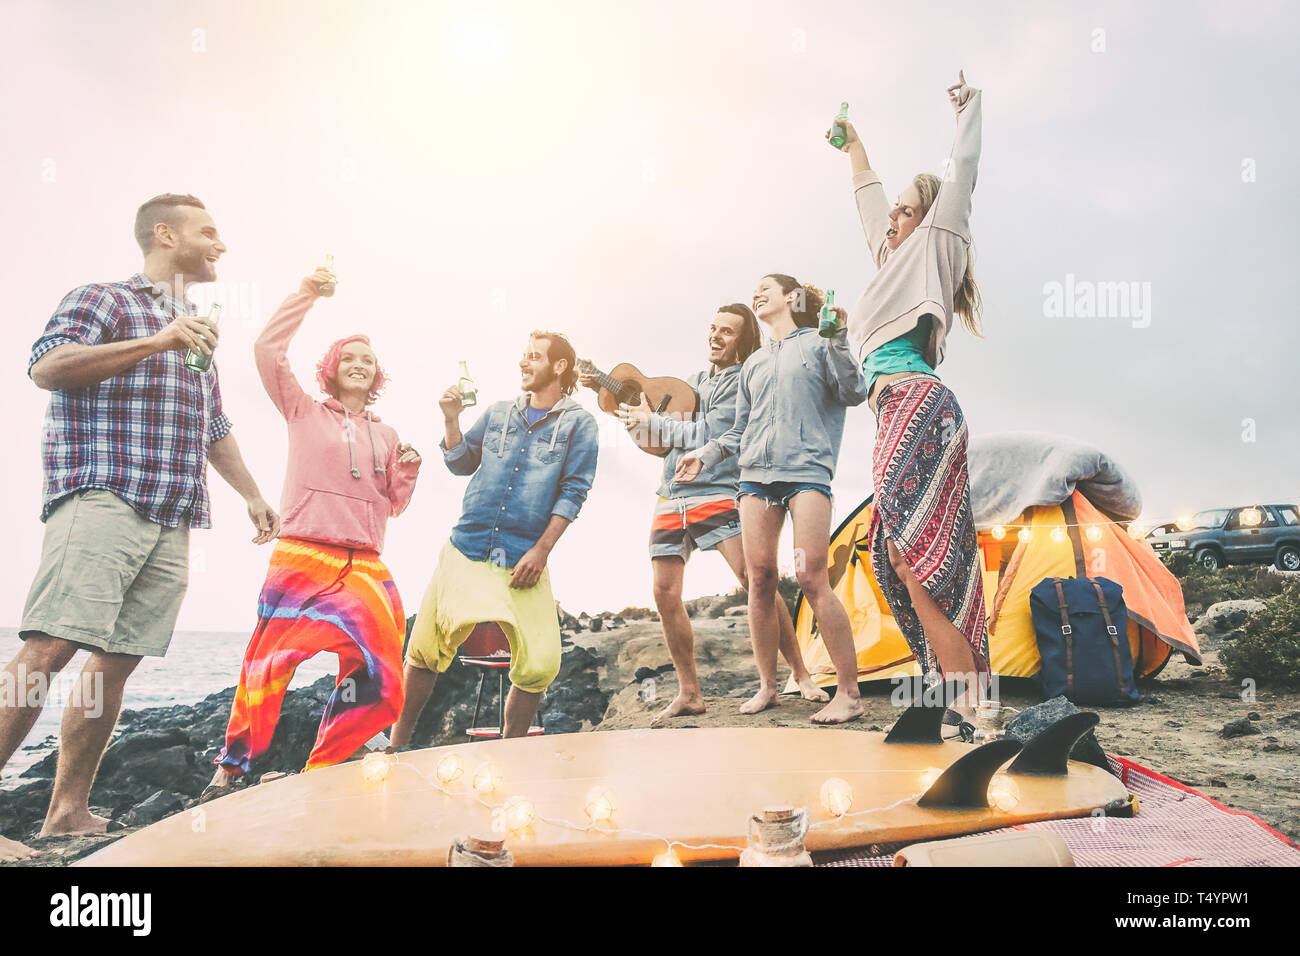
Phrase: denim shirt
(522, 476)
(717, 413)
(790, 409)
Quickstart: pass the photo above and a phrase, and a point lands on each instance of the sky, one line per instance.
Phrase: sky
(617, 171)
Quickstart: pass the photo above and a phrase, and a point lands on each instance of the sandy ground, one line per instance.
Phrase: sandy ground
(1175, 731)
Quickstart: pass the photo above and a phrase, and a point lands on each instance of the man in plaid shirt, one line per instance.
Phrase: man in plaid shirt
(128, 436)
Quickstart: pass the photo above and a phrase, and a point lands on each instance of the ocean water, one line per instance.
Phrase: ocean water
(198, 663)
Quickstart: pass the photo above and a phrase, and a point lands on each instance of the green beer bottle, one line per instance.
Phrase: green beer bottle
(838, 135)
(197, 360)
(828, 322)
(468, 394)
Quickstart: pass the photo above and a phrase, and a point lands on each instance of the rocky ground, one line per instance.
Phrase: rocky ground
(1193, 724)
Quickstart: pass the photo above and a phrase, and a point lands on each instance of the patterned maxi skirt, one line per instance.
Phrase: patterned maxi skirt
(922, 503)
(320, 597)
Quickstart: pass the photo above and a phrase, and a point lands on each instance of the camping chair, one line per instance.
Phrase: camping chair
(486, 649)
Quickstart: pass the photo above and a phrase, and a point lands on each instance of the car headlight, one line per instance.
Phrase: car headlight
(1178, 543)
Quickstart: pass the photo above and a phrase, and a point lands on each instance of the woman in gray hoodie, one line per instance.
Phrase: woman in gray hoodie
(789, 422)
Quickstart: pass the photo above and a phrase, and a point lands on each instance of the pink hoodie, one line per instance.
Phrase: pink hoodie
(344, 481)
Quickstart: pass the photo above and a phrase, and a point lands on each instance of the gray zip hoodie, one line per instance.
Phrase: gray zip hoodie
(790, 409)
(716, 415)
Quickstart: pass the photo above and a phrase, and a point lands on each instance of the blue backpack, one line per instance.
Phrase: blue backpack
(1082, 629)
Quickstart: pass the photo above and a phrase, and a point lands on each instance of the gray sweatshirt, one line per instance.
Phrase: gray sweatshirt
(790, 409)
(715, 417)
(922, 275)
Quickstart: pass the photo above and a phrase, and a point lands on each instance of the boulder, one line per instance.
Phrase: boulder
(1031, 721)
(162, 803)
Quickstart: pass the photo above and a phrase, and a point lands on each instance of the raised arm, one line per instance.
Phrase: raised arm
(77, 348)
(951, 209)
(868, 193)
(462, 453)
(271, 350)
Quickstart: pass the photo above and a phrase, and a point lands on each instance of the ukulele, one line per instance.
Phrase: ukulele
(626, 383)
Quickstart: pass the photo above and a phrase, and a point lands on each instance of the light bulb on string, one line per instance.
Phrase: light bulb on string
(600, 804)
(374, 767)
(1093, 533)
(1058, 534)
(667, 858)
(1003, 793)
(1025, 535)
(486, 778)
(450, 767)
(998, 532)
(1136, 531)
(837, 796)
(519, 813)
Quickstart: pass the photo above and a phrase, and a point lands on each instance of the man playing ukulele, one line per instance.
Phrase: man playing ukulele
(703, 514)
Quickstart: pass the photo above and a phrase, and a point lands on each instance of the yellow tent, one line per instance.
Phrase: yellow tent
(1072, 539)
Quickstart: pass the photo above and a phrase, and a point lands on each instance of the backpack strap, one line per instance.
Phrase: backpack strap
(1112, 631)
(1068, 633)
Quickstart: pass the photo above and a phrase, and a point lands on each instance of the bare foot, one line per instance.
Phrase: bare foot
(11, 851)
(682, 704)
(74, 824)
(840, 710)
(809, 690)
(765, 698)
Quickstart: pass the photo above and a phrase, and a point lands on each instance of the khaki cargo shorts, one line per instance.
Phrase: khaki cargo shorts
(109, 578)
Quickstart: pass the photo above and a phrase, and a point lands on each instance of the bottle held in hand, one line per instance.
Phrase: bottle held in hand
(828, 322)
(468, 394)
(838, 135)
(327, 288)
(197, 360)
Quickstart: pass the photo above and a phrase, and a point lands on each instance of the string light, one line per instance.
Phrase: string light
(600, 804)
(519, 813)
(486, 778)
(450, 768)
(374, 767)
(1025, 535)
(1093, 533)
(837, 796)
(998, 533)
(1003, 792)
(1058, 534)
(1184, 523)
(667, 858)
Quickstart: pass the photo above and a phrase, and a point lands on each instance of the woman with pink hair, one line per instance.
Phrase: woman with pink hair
(326, 589)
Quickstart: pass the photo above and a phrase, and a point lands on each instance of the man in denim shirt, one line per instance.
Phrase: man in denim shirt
(532, 462)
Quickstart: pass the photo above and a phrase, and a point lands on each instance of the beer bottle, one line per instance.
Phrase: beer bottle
(197, 360)
(468, 394)
(838, 134)
(828, 322)
(327, 288)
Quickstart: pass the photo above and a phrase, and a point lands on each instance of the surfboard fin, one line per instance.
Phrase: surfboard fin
(921, 722)
(1048, 753)
(965, 784)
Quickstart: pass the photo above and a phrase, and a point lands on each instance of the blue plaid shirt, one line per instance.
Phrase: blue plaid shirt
(144, 434)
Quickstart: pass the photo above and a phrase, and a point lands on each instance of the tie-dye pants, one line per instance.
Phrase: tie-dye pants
(319, 597)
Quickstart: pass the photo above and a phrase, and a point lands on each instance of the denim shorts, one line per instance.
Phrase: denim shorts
(780, 492)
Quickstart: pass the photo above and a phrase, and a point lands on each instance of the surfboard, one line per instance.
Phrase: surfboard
(695, 788)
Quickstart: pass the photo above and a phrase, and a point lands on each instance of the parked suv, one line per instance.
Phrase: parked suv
(1254, 534)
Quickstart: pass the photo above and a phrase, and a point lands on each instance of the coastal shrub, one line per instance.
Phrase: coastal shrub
(1228, 584)
(1268, 650)
(1180, 563)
